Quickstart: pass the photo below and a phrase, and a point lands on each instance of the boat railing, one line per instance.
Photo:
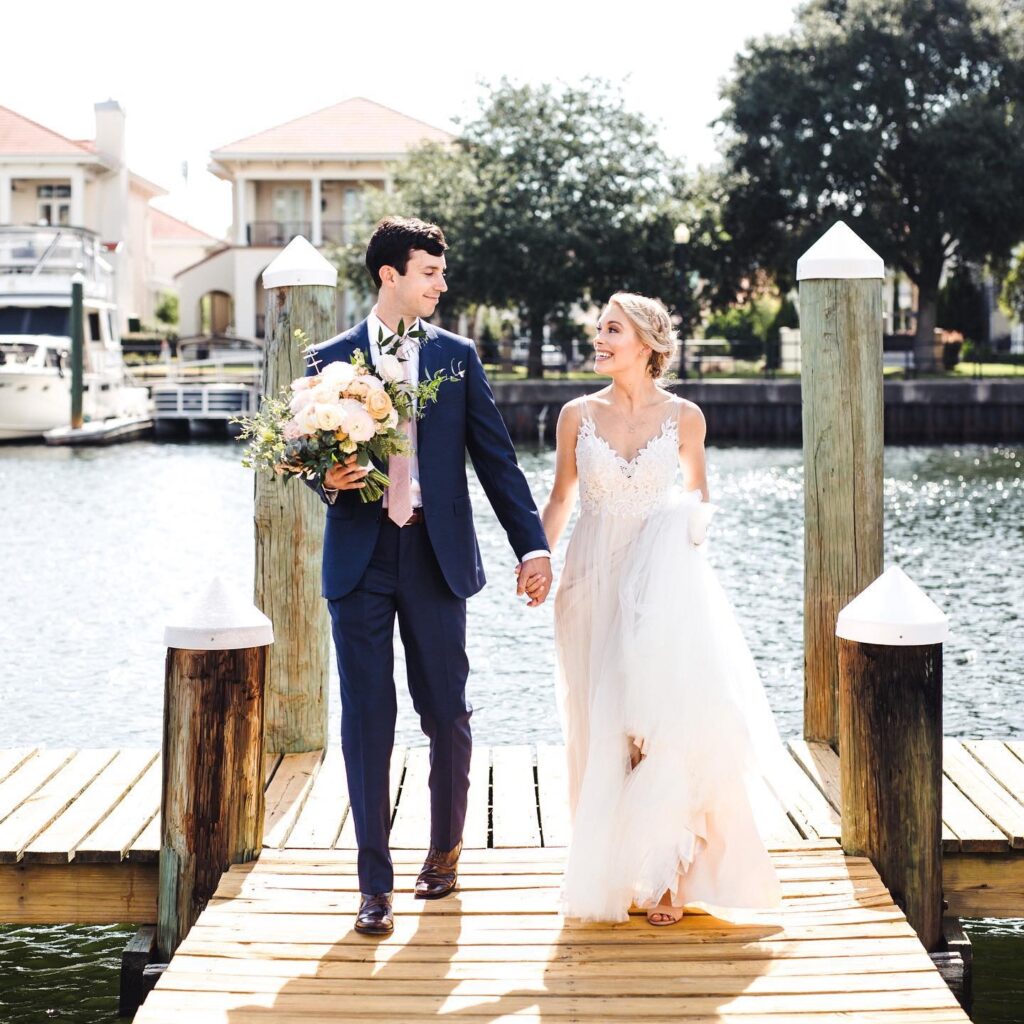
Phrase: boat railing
(34, 251)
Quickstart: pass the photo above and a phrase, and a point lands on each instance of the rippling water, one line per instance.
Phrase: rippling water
(101, 544)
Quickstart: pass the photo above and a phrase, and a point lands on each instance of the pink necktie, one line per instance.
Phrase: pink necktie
(400, 470)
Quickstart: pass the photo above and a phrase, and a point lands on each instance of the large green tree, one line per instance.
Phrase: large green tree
(903, 117)
(550, 196)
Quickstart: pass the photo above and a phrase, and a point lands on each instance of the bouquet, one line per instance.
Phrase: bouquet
(347, 408)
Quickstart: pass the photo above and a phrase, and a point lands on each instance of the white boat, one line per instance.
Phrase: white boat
(37, 266)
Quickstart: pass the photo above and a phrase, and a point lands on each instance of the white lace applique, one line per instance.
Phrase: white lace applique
(613, 485)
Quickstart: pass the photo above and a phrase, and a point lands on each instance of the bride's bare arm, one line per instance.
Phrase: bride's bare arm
(563, 491)
(692, 431)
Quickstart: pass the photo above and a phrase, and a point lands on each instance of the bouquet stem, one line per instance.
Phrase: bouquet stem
(375, 481)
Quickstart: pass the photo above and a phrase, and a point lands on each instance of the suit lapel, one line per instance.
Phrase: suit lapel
(361, 339)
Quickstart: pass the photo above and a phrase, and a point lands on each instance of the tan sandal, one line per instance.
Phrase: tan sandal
(671, 915)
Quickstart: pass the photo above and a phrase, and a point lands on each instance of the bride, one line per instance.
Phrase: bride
(668, 731)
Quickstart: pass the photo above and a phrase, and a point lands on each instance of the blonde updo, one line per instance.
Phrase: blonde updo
(653, 326)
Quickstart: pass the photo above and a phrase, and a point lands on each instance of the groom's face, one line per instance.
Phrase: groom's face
(418, 290)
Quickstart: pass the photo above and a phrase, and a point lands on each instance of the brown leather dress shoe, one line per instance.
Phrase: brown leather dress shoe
(375, 916)
(439, 874)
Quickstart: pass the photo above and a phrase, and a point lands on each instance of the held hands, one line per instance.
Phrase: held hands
(346, 476)
(534, 580)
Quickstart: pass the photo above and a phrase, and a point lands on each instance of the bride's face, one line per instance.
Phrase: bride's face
(617, 347)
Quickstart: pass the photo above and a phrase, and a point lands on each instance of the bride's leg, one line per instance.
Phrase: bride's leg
(636, 752)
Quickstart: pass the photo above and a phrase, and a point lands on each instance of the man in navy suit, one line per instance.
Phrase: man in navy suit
(414, 555)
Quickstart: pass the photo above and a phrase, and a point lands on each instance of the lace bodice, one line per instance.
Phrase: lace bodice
(613, 485)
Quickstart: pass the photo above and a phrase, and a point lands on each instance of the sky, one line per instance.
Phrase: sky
(193, 76)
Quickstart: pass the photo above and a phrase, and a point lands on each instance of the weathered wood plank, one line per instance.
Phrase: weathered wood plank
(553, 794)
(998, 760)
(13, 758)
(411, 827)
(975, 833)
(114, 836)
(57, 843)
(32, 773)
(515, 797)
(38, 811)
(286, 795)
(977, 885)
(77, 893)
(319, 824)
(983, 791)
(347, 839)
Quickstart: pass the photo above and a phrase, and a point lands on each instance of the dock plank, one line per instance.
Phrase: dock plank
(515, 797)
(478, 812)
(57, 843)
(110, 841)
(983, 791)
(12, 758)
(553, 794)
(38, 811)
(286, 795)
(30, 775)
(974, 832)
(410, 829)
(319, 824)
(998, 760)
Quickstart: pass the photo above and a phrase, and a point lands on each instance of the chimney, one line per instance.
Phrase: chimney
(110, 132)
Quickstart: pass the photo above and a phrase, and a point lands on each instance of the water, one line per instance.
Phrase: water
(101, 545)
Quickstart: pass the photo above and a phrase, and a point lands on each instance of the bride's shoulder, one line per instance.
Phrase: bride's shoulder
(690, 418)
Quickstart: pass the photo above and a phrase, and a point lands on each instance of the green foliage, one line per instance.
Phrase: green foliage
(1011, 297)
(901, 117)
(549, 197)
(167, 312)
(744, 323)
(962, 306)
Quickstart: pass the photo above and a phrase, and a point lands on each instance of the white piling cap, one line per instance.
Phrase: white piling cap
(840, 254)
(299, 263)
(893, 611)
(220, 620)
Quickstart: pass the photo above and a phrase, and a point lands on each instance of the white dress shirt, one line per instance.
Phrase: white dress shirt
(411, 354)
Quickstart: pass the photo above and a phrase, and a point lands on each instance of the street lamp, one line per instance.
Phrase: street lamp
(681, 238)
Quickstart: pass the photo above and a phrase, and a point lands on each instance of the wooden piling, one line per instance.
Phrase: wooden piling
(890, 719)
(301, 294)
(841, 384)
(212, 802)
(77, 353)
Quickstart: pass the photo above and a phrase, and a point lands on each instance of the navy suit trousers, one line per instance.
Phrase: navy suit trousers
(403, 578)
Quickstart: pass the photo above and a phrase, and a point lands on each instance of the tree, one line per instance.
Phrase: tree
(901, 116)
(549, 197)
(962, 305)
(1011, 298)
(167, 309)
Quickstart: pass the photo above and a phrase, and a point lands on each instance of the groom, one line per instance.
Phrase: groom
(414, 555)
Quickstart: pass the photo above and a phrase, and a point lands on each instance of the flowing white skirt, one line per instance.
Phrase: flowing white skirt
(650, 656)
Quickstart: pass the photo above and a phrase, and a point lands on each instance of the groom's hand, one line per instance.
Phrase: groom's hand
(347, 476)
(534, 580)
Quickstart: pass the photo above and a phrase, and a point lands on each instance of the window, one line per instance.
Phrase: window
(54, 204)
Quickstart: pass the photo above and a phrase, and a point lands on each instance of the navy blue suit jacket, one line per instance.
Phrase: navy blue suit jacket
(464, 418)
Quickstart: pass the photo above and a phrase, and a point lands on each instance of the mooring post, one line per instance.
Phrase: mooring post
(301, 294)
(212, 798)
(841, 388)
(890, 724)
(77, 351)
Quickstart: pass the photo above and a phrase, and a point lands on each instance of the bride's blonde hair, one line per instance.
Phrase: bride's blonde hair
(653, 324)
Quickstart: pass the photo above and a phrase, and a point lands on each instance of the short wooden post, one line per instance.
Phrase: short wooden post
(301, 293)
(890, 721)
(77, 351)
(212, 798)
(841, 384)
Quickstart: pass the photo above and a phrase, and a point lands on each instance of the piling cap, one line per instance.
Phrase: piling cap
(220, 620)
(893, 611)
(840, 254)
(299, 263)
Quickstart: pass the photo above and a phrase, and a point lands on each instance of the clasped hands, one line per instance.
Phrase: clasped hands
(534, 580)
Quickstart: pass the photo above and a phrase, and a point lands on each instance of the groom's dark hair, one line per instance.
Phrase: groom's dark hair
(394, 239)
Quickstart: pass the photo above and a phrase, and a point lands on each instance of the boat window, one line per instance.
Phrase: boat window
(12, 352)
(94, 326)
(35, 320)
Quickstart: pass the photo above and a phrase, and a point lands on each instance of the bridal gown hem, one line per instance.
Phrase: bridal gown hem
(651, 660)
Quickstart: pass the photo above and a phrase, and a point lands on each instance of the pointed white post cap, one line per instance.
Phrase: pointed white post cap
(220, 620)
(893, 611)
(839, 254)
(299, 263)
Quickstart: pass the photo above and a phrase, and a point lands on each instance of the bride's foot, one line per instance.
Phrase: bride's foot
(664, 913)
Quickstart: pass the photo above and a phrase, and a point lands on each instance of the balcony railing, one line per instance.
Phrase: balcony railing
(276, 232)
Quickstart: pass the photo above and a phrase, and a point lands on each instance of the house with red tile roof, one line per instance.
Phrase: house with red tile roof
(306, 177)
(47, 178)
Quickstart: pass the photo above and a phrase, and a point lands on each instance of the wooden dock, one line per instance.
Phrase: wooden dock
(79, 842)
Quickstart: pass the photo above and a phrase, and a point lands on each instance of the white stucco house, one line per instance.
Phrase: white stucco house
(305, 177)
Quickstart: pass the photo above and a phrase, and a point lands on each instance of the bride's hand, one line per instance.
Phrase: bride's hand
(534, 580)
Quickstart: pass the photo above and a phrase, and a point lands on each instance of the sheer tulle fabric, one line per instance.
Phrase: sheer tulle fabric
(651, 659)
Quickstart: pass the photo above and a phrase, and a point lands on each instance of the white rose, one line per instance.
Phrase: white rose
(391, 369)
(305, 419)
(338, 373)
(302, 383)
(300, 400)
(392, 420)
(360, 426)
(328, 417)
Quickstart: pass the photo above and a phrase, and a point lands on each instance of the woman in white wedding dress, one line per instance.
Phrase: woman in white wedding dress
(668, 732)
